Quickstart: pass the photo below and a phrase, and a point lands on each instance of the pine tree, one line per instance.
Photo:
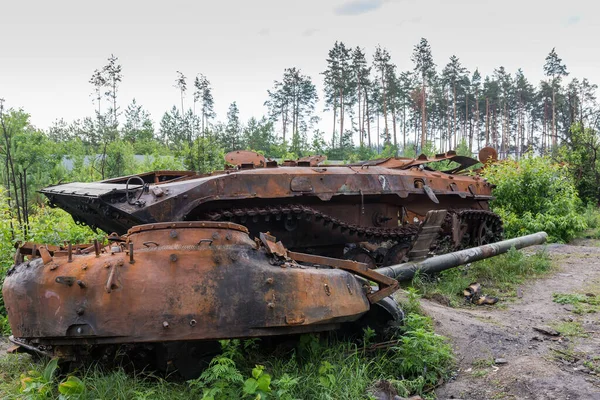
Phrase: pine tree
(361, 85)
(180, 83)
(203, 93)
(555, 69)
(381, 63)
(476, 89)
(113, 77)
(338, 82)
(138, 125)
(293, 101)
(453, 74)
(232, 139)
(425, 67)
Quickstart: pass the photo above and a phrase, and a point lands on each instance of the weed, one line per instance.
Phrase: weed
(499, 276)
(593, 364)
(586, 301)
(483, 362)
(480, 373)
(570, 328)
(316, 368)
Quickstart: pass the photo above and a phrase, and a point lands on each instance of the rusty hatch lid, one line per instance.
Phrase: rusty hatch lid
(95, 189)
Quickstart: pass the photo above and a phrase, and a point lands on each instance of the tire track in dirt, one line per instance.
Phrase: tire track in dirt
(532, 370)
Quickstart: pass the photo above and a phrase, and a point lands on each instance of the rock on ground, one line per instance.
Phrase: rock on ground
(533, 365)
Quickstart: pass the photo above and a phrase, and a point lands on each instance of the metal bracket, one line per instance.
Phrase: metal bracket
(386, 284)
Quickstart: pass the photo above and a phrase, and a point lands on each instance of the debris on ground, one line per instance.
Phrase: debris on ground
(385, 390)
(473, 295)
(546, 330)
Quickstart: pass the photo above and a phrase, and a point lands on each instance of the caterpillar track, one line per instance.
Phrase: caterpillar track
(259, 249)
(461, 229)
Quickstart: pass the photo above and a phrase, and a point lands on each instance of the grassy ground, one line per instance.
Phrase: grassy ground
(316, 368)
(499, 276)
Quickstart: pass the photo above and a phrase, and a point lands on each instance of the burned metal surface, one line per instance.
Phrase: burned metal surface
(244, 252)
(178, 282)
(405, 272)
(309, 207)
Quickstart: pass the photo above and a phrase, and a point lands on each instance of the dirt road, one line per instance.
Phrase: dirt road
(502, 356)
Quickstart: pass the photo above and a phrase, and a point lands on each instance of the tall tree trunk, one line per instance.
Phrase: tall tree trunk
(383, 91)
(394, 127)
(494, 129)
(115, 102)
(505, 133)
(448, 120)
(487, 121)
(465, 135)
(360, 132)
(368, 117)
(403, 127)
(454, 112)
(8, 200)
(477, 117)
(11, 170)
(554, 136)
(334, 123)
(341, 117)
(423, 118)
(378, 135)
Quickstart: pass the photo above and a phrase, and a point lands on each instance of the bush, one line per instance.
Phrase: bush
(535, 194)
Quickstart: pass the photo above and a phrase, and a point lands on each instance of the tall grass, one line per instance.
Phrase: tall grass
(327, 367)
(499, 276)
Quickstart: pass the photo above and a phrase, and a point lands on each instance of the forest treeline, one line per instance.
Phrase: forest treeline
(378, 111)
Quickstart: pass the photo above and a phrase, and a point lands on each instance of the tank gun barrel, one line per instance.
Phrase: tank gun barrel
(406, 271)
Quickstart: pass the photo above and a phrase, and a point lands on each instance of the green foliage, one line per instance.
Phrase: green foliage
(318, 368)
(222, 379)
(583, 303)
(499, 276)
(534, 195)
(156, 162)
(71, 388)
(389, 151)
(422, 352)
(259, 385)
(39, 385)
(120, 160)
(54, 226)
(203, 155)
(582, 160)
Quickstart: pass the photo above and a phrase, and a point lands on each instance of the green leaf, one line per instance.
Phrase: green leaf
(48, 373)
(324, 381)
(72, 386)
(250, 386)
(257, 371)
(264, 383)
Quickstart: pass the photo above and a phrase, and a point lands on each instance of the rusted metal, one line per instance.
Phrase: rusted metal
(386, 285)
(183, 289)
(488, 154)
(309, 207)
(407, 271)
(258, 249)
(232, 288)
(245, 157)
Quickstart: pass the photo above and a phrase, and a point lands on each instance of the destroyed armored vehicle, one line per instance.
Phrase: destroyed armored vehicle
(240, 253)
(369, 212)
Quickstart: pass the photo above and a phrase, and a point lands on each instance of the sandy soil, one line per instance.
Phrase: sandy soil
(501, 356)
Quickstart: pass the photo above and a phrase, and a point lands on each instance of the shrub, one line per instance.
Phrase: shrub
(534, 194)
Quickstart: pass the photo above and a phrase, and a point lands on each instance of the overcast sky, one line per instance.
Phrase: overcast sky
(49, 49)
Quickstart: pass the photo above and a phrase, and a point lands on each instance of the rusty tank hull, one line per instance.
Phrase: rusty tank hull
(174, 282)
(319, 209)
(175, 285)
